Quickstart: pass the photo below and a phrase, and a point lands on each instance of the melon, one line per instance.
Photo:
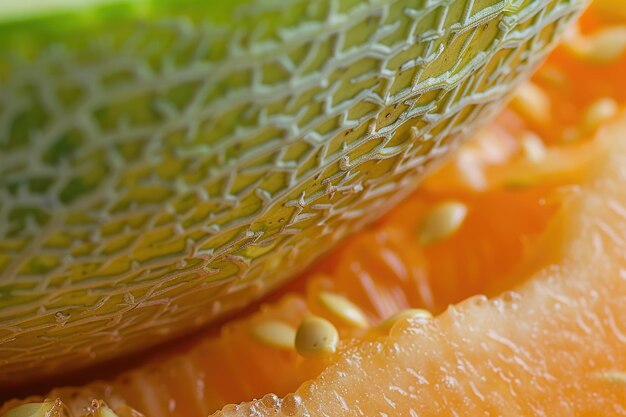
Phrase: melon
(552, 345)
(163, 163)
(549, 341)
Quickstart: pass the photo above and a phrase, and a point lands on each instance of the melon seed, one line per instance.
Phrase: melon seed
(532, 102)
(533, 147)
(104, 411)
(316, 336)
(343, 309)
(441, 222)
(599, 112)
(602, 47)
(44, 409)
(410, 313)
(274, 333)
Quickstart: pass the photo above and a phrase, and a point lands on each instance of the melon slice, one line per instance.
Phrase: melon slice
(384, 270)
(555, 346)
(165, 162)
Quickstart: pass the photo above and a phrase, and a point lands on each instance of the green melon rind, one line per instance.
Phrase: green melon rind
(164, 171)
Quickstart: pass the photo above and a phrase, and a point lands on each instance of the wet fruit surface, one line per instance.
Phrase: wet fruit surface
(554, 344)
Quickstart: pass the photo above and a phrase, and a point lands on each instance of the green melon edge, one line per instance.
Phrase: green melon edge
(28, 19)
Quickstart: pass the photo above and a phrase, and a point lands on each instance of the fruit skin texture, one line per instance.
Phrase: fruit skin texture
(157, 174)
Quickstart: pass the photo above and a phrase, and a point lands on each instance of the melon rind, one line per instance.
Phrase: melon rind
(161, 166)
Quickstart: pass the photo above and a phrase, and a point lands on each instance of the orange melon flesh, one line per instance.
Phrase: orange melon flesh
(555, 346)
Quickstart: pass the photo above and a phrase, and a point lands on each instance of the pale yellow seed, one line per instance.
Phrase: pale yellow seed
(599, 112)
(343, 309)
(602, 47)
(533, 147)
(441, 222)
(44, 409)
(104, 411)
(316, 337)
(274, 333)
(412, 313)
(532, 102)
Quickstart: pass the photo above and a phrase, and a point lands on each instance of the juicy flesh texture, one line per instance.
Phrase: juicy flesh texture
(555, 346)
(384, 270)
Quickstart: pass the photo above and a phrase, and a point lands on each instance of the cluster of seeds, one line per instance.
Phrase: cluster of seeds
(316, 336)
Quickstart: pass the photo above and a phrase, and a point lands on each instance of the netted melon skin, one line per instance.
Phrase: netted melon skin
(169, 171)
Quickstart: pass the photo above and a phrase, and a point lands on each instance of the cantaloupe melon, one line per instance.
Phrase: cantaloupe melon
(164, 162)
(514, 173)
(553, 345)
